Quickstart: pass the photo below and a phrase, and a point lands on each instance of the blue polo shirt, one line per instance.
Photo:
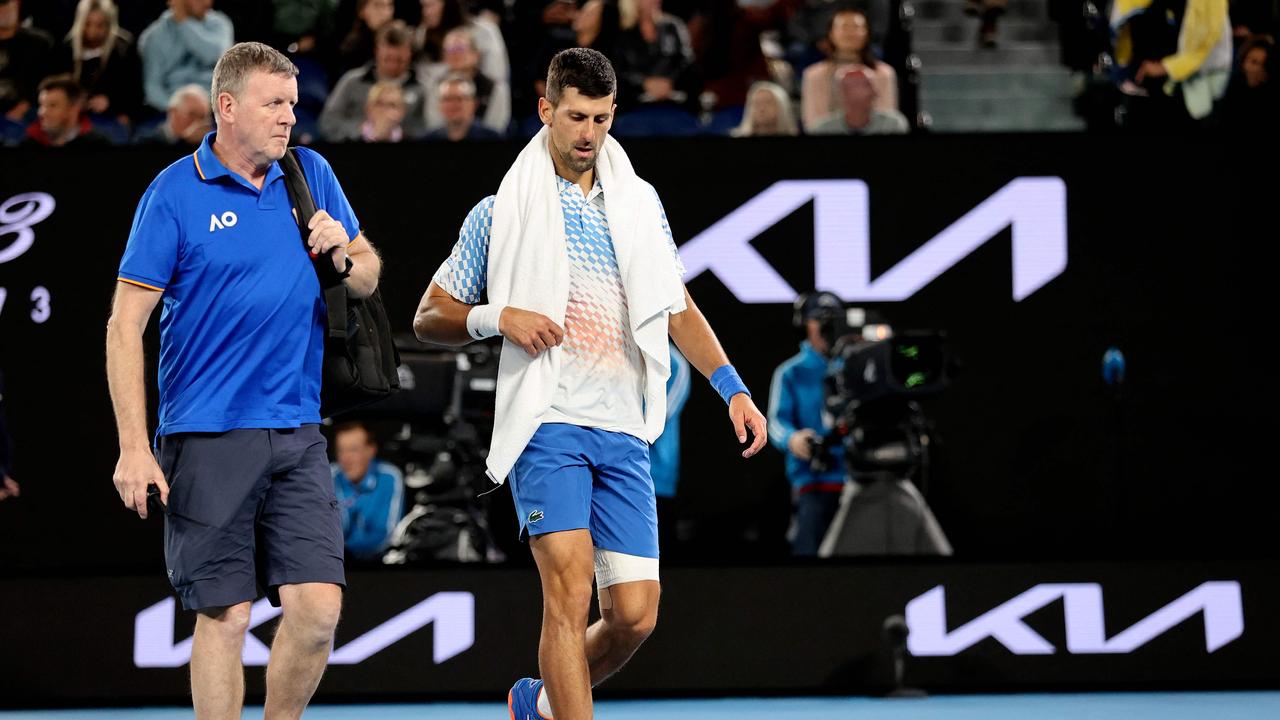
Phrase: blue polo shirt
(243, 320)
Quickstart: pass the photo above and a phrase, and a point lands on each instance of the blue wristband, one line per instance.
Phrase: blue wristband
(726, 382)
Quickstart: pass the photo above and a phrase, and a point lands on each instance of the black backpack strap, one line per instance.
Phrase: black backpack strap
(304, 206)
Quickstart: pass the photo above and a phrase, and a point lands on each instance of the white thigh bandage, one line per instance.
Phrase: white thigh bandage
(613, 568)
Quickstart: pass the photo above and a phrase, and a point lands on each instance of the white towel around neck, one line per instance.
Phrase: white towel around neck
(529, 269)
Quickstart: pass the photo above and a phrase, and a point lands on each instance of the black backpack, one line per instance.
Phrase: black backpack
(360, 358)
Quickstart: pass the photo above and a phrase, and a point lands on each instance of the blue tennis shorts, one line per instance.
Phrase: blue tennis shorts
(249, 510)
(571, 477)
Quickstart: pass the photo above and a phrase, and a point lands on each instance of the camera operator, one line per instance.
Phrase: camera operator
(797, 423)
(370, 491)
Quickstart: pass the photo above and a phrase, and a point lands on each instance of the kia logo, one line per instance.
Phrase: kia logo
(1033, 208)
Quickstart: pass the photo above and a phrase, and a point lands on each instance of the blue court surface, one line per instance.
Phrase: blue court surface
(1099, 706)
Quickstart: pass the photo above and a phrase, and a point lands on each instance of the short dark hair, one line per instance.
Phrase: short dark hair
(395, 33)
(1257, 42)
(66, 83)
(866, 56)
(583, 68)
(350, 425)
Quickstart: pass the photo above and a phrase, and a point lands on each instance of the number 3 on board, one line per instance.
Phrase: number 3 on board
(39, 296)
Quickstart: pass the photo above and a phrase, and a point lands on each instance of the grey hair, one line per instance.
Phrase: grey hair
(190, 90)
(243, 59)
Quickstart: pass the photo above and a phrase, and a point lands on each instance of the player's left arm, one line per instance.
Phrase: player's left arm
(697, 341)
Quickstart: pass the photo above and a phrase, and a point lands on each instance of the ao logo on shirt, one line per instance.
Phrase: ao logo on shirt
(227, 220)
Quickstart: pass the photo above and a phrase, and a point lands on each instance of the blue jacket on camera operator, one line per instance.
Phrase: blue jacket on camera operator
(797, 425)
(370, 492)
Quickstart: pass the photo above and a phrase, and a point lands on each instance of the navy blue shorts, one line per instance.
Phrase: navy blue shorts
(249, 510)
(571, 477)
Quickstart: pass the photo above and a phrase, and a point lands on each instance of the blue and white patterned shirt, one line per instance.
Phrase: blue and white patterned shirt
(602, 376)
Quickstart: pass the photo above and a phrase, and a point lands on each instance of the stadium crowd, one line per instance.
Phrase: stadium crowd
(83, 72)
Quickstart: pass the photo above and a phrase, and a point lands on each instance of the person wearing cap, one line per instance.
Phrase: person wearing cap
(797, 425)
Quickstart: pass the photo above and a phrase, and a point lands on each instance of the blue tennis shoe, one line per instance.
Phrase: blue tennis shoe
(522, 700)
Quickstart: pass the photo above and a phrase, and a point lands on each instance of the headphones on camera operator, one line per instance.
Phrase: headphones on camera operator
(825, 307)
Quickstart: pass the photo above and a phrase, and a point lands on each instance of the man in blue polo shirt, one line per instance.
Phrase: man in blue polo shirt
(240, 469)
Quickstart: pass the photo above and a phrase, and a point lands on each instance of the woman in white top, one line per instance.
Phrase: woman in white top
(849, 48)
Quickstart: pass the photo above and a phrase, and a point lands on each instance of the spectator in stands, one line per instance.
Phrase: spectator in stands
(440, 17)
(859, 114)
(462, 58)
(8, 486)
(181, 48)
(344, 111)
(24, 60)
(101, 56)
(1180, 65)
(384, 113)
(768, 112)
(457, 107)
(358, 47)
(598, 23)
(1252, 103)
(988, 11)
(188, 120)
(849, 43)
(727, 43)
(62, 122)
(652, 55)
(542, 28)
(370, 492)
(1257, 56)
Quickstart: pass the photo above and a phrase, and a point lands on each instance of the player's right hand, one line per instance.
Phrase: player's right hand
(135, 471)
(534, 332)
(801, 443)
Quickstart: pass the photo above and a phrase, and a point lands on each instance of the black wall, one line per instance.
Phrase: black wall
(1039, 459)
(809, 629)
